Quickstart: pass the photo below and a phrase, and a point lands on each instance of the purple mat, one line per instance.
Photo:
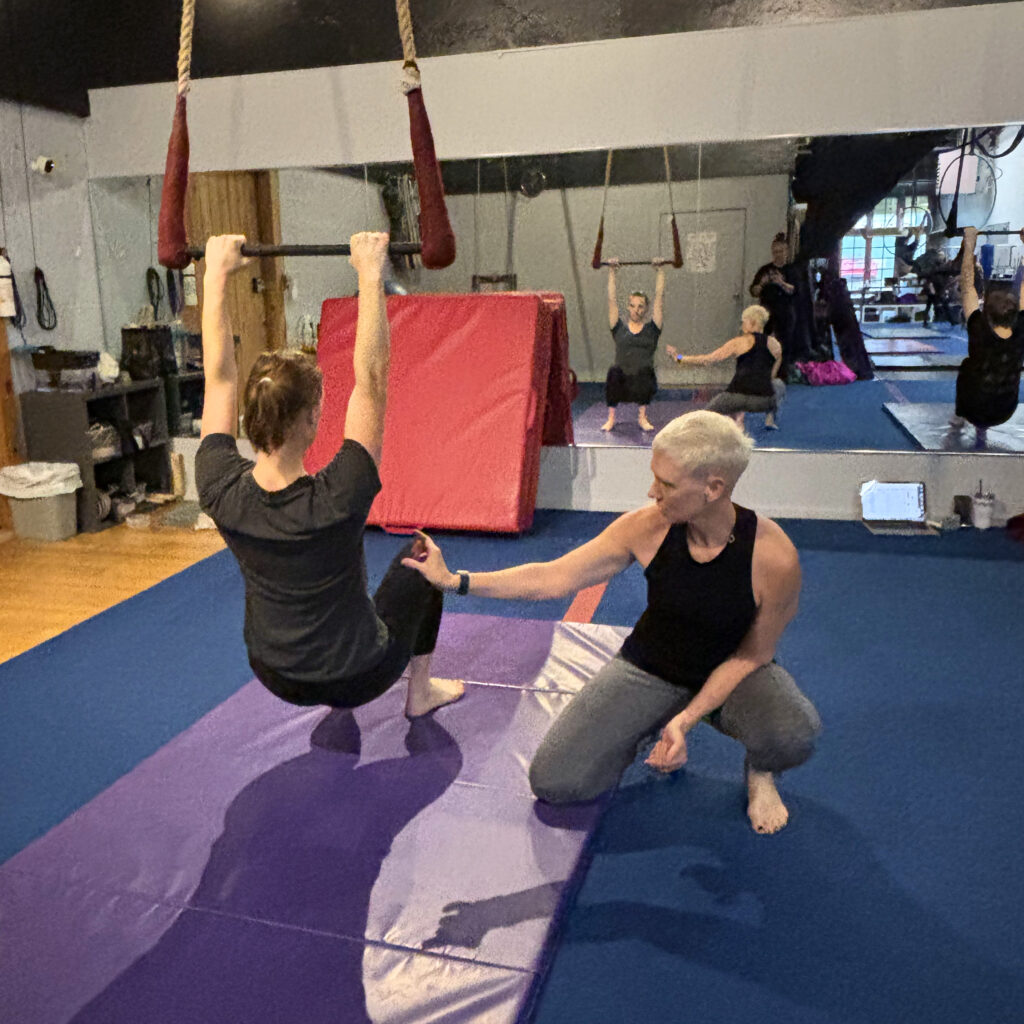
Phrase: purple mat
(290, 864)
(587, 430)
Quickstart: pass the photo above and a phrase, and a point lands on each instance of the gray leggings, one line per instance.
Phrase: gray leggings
(728, 403)
(597, 736)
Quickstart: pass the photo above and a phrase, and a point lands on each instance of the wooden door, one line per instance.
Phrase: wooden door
(243, 202)
(8, 421)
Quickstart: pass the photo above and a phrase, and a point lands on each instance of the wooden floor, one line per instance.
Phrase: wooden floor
(48, 588)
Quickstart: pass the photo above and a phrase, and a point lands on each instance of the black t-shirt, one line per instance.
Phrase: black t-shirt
(308, 614)
(635, 352)
(993, 364)
(774, 297)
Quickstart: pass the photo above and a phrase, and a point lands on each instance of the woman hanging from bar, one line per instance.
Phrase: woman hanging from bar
(313, 633)
(988, 381)
(632, 377)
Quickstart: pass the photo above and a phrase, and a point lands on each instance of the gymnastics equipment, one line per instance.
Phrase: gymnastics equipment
(437, 247)
(677, 249)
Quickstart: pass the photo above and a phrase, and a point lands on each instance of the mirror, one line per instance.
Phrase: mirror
(869, 208)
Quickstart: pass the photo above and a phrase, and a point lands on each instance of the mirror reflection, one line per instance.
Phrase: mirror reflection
(826, 295)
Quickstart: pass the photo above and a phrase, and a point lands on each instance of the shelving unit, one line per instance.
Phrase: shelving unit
(57, 430)
(184, 392)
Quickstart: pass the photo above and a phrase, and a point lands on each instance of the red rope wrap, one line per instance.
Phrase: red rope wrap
(435, 229)
(596, 261)
(171, 241)
(677, 249)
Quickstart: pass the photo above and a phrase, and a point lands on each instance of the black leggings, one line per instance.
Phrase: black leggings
(411, 609)
(639, 387)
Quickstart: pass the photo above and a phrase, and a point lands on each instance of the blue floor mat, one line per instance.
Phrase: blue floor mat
(894, 894)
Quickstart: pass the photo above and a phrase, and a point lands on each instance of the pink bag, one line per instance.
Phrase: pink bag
(831, 372)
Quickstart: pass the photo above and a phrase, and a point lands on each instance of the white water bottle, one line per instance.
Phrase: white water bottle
(7, 304)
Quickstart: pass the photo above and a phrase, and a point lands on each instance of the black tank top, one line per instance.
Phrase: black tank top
(697, 613)
(753, 374)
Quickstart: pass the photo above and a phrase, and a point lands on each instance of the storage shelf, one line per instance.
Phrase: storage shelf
(57, 430)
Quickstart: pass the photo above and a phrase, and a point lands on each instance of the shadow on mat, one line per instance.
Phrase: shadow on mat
(809, 914)
(274, 929)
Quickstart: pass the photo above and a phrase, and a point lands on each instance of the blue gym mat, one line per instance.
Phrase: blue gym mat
(894, 893)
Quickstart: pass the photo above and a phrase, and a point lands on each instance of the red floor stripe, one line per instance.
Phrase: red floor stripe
(585, 603)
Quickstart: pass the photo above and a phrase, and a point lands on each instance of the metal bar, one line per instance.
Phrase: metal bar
(892, 232)
(340, 249)
(634, 263)
(959, 233)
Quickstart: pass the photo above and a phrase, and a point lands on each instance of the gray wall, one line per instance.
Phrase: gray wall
(47, 222)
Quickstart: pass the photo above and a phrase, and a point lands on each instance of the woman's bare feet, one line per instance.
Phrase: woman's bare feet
(765, 808)
(421, 700)
(610, 422)
(646, 424)
(426, 694)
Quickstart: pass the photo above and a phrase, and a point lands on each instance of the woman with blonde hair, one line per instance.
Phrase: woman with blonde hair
(755, 386)
(722, 585)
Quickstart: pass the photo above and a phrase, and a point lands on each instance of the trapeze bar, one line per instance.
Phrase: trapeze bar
(341, 249)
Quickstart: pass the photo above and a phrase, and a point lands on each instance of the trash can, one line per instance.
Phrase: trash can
(42, 498)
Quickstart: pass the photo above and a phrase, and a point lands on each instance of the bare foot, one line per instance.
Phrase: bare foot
(438, 692)
(765, 808)
(646, 424)
(608, 424)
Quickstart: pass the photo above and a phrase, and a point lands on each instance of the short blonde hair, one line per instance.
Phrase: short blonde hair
(702, 443)
(758, 314)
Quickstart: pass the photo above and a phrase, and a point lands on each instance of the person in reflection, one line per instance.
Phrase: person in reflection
(632, 378)
(722, 585)
(774, 287)
(313, 633)
(755, 386)
(936, 273)
(988, 381)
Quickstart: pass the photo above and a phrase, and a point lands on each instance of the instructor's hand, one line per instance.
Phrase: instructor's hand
(429, 562)
(669, 752)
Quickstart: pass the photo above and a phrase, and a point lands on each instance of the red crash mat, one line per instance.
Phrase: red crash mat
(478, 382)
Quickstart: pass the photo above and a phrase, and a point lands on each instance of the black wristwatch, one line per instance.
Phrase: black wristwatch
(463, 587)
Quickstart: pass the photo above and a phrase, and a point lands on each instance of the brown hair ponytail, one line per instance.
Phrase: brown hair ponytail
(281, 387)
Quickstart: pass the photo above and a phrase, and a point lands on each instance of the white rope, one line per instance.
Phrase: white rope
(700, 291)
(668, 181)
(188, 17)
(607, 180)
(476, 229)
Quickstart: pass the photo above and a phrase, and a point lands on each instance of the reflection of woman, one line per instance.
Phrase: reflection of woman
(774, 286)
(632, 377)
(755, 386)
(988, 381)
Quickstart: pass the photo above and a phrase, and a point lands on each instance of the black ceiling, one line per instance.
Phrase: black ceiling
(57, 49)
